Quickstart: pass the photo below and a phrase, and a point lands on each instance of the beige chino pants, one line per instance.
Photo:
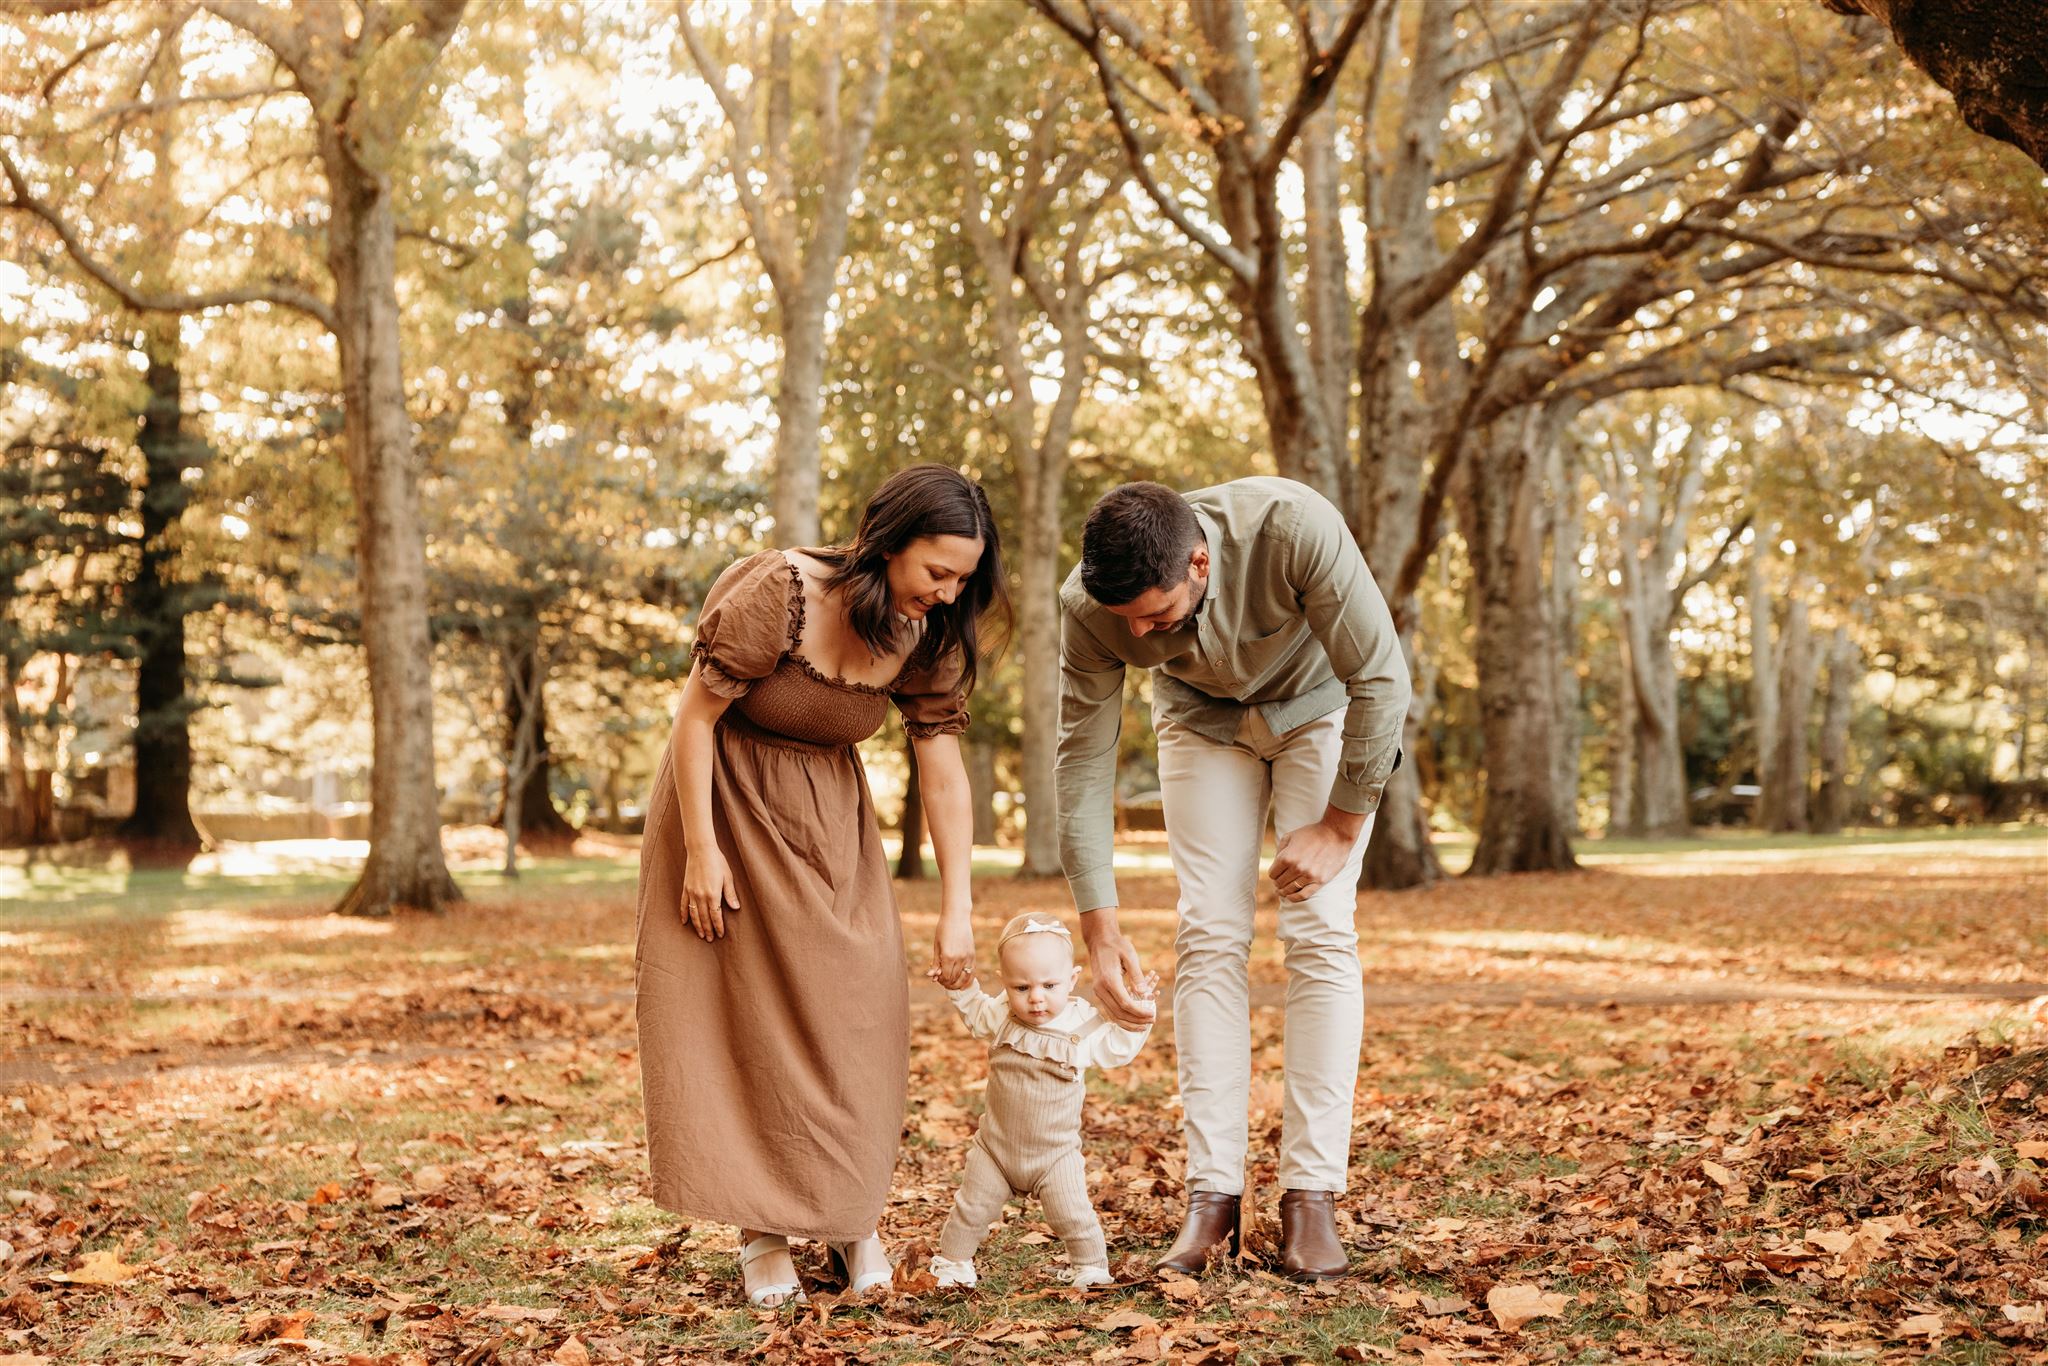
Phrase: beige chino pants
(1216, 798)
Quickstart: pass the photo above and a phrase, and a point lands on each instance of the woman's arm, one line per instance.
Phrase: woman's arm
(949, 811)
(707, 882)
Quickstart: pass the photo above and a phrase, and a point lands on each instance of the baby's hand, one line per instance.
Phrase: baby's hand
(936, 974)
(1147, 990)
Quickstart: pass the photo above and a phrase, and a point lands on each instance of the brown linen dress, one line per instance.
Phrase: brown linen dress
(774, 1061)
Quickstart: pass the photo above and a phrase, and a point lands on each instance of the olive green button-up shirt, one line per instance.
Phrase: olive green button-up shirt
(1292, 623)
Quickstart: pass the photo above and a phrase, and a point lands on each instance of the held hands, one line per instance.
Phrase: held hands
(1123, 989)
(1305, 859)
(953, 952)
(708, 891)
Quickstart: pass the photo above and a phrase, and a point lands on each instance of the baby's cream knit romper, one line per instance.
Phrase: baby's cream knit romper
(1030, 1137)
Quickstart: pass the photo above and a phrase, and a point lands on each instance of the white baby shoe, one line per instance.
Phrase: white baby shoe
(952, 1273)
(1081, 1277)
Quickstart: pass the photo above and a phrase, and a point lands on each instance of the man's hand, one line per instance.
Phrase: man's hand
(1307, 858)
(1122, 989)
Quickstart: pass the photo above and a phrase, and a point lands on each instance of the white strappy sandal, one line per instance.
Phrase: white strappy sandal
(778, 1293)
(842, 1257)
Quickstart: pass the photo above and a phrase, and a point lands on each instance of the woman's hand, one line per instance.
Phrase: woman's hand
(953, 951)
(707, 891)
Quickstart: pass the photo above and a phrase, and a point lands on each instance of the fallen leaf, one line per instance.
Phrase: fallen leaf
(2024, 1313)
(1442, 1306)
(276, 1327)
(571, 1353)
(2033, 1150)
(1720, 1175)
(1514, 1305)
(517, 1313)
(1920, 1326)
(1126, 1319)
(98, 1268)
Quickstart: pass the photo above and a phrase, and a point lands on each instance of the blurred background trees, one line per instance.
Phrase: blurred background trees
(381, 386)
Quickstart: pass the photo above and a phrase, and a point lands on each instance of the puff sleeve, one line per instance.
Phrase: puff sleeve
(930, 697)
(751, 615)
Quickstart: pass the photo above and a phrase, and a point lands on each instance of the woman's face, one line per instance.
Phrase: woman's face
(930, 572)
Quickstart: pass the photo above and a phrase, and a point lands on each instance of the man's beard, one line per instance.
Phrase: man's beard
(1196, 597)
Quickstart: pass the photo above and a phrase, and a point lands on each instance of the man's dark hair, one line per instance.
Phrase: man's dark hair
(1137, 538)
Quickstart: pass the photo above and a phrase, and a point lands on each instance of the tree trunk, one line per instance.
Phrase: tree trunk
(18, 812)
(539, 820)
(1763, 675)
(981, 786)
(1661, 806)
(910, 862)
(1831, 806)
(1038, 649)
(1567, 538)
(405, 867)
(1519, 829)
(799, 411)
(1784, 801)
(1992, 55)
(1624, 810)
(1401, 854)
(162, 819)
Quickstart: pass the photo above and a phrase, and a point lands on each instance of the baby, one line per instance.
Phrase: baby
(1042, 1040)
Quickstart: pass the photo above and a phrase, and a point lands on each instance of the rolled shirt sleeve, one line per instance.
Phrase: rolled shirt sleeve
(1348, 616)
(1091, 718)
(1108, 1044)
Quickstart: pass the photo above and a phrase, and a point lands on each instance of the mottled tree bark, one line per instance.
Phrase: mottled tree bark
(405, 867)
(1992, 55)
(1845, 670)
(1784, 804)
(981, 784)
(1500, 503)
(1565, 521)
(1764, 686)
(162, 820)
(525, 683)
(910, 859)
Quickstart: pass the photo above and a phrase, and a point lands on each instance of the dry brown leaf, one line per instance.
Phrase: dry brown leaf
(2033, 1150)
(571, 1353)
(277, 1327)
(1514, 1305)
(1920, 1326)
(1126, 1319)
(517, 1313)
(2024, 1313)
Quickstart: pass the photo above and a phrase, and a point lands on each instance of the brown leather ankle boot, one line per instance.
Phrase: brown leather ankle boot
(1211, 1218)
(1309, 1247)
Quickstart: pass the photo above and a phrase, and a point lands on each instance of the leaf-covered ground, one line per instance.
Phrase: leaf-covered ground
(1719, 1104)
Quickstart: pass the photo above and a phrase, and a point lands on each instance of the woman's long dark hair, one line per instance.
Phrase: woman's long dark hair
(923, 500)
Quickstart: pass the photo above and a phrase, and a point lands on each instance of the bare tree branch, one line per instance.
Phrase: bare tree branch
(281, 294)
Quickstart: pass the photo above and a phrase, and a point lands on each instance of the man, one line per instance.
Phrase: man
(1277, 677)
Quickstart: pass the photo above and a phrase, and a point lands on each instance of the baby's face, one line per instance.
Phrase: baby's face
(1039, 975)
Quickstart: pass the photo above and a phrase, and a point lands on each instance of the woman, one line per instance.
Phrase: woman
(770, 986)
